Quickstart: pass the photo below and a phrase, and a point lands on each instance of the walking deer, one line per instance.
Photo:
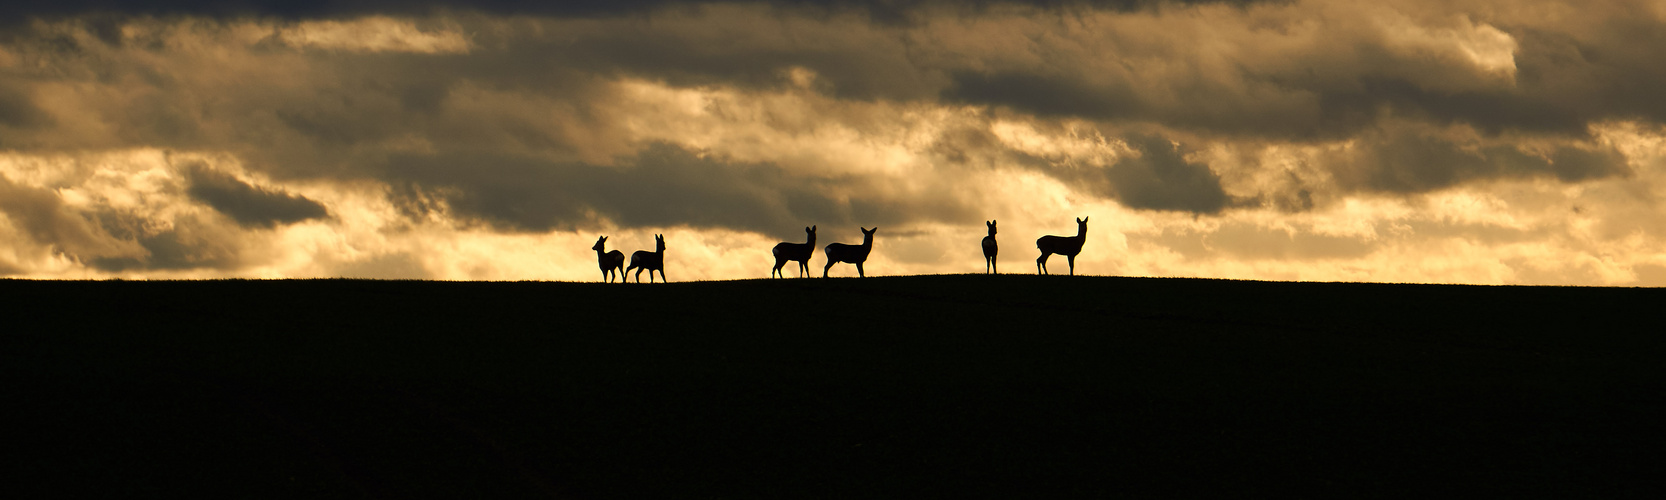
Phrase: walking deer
(609, 261)
(797, 252)
(651, 261)
(854, 254)
(989, 250)
(1068, 246)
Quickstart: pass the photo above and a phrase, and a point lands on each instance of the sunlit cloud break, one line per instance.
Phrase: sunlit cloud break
(1400, 141)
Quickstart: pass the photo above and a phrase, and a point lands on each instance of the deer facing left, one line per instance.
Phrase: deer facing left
(609, 261)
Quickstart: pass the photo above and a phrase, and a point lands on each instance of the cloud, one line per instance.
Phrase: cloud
(188, 245)
(43, 217)
(662, 185)
(249, 205)
(17, 110)
(1161, 179)
(1401, 159)
(1140, 170)
(889, 10)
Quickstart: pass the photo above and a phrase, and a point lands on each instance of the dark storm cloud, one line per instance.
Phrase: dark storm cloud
(41, 215)
(250, 206)
(663, 185)
(1045, 95)
(1613, 73)
(1563, 81)
(1409, 161)
(180, 248)
(18, 111)
(1159, 177)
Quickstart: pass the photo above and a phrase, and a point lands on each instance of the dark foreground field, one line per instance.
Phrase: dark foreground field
(939, 386)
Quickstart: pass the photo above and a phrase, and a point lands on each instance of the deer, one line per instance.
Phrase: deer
(797, 252)
(1068, 246)
(854, 254)
(989, 250)
(609, 261)
(650, 261)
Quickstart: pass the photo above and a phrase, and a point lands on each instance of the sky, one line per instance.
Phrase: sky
(1472, 141)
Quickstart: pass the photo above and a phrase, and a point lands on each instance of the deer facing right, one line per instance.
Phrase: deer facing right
(650, 261)
(854, 254)
(1068, 246)
(989, 250)
(798, 252)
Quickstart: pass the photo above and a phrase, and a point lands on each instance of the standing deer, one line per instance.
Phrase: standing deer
(797, 252)
(989, 250)
(651, 261)
(854, 254)
(609, 261)
(1068, 246)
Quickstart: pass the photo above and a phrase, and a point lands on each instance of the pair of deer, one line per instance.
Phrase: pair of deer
(641, 260)
(836, 253)
(1068, 246)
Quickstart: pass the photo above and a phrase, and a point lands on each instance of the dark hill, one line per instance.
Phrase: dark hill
(930, 386)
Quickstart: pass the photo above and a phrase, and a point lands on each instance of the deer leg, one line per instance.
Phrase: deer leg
(859, 272)
(1041, 263)
(1072, 259)
(829, 266)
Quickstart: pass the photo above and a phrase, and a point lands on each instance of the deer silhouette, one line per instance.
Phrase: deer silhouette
(610, 261)
(1068, 246)
(854, 254)
(989, 250)
(650, 261)
(798, 252)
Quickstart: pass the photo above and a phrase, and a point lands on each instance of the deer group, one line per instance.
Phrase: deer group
(643, 260)
(835, 252)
